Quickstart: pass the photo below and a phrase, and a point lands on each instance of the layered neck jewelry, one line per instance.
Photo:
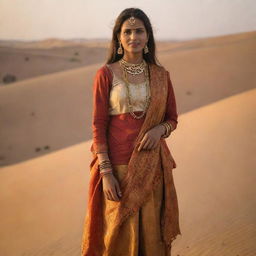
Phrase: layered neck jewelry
(136, 69)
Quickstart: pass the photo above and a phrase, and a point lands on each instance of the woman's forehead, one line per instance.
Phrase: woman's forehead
(137, 24)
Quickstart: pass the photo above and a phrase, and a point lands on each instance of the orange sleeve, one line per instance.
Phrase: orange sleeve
(171, 108)
(100, 116)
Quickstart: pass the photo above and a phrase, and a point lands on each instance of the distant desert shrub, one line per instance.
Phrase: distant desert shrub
(76, 53)
(9, 78)
(26, 58)
(74, 59)
(37, 149)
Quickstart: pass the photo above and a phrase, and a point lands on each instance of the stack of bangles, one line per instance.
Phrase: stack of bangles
(105, 167)
(168, 129)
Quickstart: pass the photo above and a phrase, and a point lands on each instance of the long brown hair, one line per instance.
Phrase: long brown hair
(150, 57)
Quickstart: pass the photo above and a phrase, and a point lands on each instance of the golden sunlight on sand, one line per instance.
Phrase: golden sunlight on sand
(45, 139)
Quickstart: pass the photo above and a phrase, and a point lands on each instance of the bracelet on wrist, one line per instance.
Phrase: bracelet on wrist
(105, 164)
(105, 172)
(100, 152)
(168, 129)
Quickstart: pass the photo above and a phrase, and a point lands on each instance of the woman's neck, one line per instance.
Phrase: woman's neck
(133, 58)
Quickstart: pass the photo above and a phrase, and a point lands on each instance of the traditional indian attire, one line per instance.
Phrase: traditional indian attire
(146, 219)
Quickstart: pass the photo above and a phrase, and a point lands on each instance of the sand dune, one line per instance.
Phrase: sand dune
(43, 200)
(211, 69)
(215, 151)
(30, 59)
(163, 46)
(30, 63)
(42, 203)
(54, 43)
(45, 114)
(53, 111)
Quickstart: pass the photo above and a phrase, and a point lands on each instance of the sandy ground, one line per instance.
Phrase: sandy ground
(44, 152)
(49, 113)
(31, 63)
(43, 200)
(215, 151)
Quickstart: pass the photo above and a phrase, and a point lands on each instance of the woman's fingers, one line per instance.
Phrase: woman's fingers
(150, 145)
(113, 195)
(155, 144)
(108, 195)
(141, 144)
(119, 192)
(148, 142)
(111, 189)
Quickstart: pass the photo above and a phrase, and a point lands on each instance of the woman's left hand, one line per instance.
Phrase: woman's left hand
(151, 138)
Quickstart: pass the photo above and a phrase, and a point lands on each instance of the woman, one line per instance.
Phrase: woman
(132, 205)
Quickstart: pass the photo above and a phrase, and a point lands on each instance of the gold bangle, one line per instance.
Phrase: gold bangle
(105, 164)
(99, 152)
(168, 128)
(171, 126)
(106, 171)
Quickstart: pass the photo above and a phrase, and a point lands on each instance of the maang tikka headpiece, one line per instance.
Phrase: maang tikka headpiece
(132, 20)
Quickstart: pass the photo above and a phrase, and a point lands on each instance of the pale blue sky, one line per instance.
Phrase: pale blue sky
(171, 19)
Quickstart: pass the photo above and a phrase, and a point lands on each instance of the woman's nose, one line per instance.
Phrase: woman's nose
(133, 34)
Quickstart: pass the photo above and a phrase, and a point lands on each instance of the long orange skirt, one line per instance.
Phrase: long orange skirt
(140, 234)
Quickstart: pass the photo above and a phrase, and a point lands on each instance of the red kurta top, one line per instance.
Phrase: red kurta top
(117, 133)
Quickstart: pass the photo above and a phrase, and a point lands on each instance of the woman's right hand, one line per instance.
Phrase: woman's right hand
(111, 187)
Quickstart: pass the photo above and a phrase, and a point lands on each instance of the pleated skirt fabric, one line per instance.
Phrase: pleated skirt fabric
(140, 234)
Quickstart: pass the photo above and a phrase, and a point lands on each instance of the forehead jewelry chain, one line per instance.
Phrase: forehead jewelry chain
(132, 21)
(133, 69)
(129, 94)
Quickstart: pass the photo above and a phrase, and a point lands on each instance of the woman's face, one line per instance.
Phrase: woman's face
(133, 37)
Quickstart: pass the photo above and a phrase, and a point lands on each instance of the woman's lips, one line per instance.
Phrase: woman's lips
(134, 44)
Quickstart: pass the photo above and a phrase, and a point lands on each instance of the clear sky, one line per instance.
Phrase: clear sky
(171, 19)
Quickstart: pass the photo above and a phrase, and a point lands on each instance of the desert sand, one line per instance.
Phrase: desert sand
(43, 194)
(43, 200)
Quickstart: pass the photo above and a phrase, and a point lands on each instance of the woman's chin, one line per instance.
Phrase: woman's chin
(134, 50)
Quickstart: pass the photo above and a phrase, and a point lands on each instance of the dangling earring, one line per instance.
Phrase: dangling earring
(146, 49)
(120, 50)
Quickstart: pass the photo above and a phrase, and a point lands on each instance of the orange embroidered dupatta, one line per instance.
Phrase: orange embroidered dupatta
(145, 169)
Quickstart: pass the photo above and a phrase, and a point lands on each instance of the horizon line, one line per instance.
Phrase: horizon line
(109, 39)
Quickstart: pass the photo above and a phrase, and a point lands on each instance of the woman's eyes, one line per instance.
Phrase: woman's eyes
(137, 31)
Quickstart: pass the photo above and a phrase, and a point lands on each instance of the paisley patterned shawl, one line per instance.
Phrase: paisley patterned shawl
(145, 169)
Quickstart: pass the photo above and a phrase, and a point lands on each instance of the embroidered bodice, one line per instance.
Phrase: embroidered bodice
(118, 99)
